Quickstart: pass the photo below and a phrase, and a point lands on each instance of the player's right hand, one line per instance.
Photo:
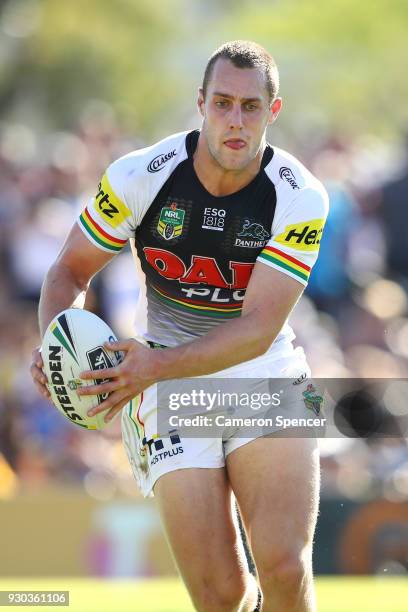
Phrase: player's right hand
(37, 374)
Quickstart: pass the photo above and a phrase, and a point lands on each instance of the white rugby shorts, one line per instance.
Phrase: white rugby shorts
(152, 453)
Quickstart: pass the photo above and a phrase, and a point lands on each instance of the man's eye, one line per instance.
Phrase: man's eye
(221, 103)
(250, 107)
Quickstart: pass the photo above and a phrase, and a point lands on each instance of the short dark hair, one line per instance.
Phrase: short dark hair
(246, 54)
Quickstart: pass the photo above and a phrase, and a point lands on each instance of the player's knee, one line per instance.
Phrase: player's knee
(221, 595)
(285, 571)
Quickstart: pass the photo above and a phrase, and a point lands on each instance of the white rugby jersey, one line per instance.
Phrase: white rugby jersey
(194, 251)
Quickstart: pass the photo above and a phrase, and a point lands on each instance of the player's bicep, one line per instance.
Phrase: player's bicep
(284, 265)
(271, 295)
(81, 257)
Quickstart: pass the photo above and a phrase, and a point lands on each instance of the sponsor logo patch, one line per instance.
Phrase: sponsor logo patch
(214, 219)
(171, 221)
(155, 447)
(157, 163)
(252, 235)
(304, 236)
(287, 174)
(108, 205)
(201, 270)
(312, 400)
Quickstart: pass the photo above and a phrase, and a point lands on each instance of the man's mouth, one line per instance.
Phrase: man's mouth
(235, 143)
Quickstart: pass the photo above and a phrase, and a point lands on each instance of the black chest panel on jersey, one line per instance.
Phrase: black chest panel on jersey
(198, 248)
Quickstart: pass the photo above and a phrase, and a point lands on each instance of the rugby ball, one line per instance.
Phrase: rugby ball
(74, 342)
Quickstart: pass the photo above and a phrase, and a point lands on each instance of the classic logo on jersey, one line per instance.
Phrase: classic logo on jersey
(287, 174)
(304, 236)
(252, 235)
(171, 221)
(157, 163)
(108, 205)
(312, 400)
(214, 219)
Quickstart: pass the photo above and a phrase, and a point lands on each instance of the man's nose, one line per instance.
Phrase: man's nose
(236, 117)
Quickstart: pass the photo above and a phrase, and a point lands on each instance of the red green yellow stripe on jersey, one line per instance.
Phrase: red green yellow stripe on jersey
(282, 260)
(222, 310)
(101, 236)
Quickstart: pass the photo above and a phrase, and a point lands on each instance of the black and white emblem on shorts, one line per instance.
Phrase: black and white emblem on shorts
(171, 221)
(253, 235)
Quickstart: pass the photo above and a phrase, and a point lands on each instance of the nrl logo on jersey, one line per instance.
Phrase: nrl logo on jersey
(171, 221)
(252, 235)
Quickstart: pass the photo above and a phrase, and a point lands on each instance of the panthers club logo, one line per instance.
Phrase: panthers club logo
(171, 221)
(252, 235)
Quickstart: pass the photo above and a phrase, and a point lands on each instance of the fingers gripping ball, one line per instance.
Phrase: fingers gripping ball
(74, 342)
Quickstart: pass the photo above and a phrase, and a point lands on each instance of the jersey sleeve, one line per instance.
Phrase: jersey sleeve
(296, 233)
(108, 221)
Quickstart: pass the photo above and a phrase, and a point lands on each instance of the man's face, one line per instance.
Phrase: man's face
(236, 112)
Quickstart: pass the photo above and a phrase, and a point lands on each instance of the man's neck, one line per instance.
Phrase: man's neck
(218, 181)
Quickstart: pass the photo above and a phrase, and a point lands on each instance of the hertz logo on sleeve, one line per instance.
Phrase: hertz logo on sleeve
(304, 236)
(108, 205)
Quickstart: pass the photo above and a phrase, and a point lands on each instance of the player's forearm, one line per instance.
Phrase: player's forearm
(230, 343)
(59, 291)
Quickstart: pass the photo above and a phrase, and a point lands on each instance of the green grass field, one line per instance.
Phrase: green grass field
(334, 594)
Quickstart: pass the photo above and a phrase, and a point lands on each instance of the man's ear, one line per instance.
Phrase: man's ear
(275, 110)
(200, 101)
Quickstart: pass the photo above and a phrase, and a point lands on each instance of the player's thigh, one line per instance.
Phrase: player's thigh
(199, 519)
(276, 481)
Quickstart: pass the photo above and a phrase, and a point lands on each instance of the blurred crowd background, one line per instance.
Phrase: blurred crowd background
(81, 85)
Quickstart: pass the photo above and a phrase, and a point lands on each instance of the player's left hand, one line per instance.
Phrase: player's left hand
(126, 380)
